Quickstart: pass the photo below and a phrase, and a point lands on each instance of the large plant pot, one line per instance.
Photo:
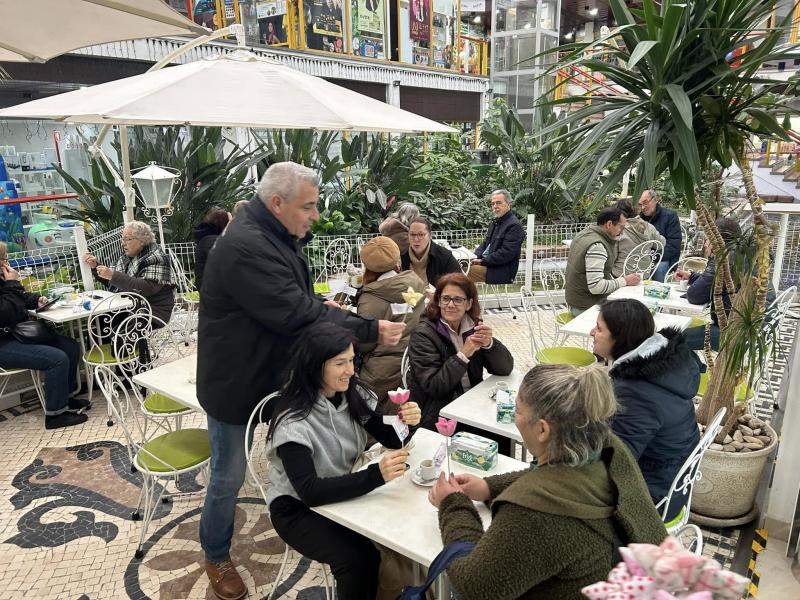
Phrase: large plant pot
(725, 494)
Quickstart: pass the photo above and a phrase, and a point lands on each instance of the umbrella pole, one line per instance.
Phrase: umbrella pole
(127, 187)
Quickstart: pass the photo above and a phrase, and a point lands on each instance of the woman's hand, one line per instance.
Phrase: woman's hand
(482, 335)
(10, 274)
(90, 260)
(43, 300)
(442, 489)
(474, 487)
(393, 464)
(105, 272)
(410, 413)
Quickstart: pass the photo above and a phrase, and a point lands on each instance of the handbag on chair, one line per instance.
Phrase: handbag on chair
(31, 332)
(438, 566)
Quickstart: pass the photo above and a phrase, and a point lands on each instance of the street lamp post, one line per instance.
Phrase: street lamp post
(157, 187)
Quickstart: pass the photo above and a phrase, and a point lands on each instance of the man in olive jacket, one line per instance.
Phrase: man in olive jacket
(257, 298)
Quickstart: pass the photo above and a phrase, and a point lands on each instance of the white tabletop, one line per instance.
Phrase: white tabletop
(398, 514)
(173, 381)
(476, 408)
(585, 322)
(65, 313)
(463, 253)
(673, 303)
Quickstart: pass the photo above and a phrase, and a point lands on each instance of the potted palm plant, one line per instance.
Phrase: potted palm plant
(683, 93)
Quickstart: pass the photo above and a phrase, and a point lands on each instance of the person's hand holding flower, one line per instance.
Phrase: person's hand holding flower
(443, 487)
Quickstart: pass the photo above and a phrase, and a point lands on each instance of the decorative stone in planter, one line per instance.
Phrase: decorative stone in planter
(725, 494)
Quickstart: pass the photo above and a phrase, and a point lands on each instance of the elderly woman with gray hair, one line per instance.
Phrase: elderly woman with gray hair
(555, 527)
(143, 268)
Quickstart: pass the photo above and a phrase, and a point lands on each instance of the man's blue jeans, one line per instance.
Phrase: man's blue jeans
(59, 362)
(661, 271)
(228, 467)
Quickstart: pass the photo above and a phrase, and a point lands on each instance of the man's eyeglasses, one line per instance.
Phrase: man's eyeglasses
(417, 236)
(456, 300)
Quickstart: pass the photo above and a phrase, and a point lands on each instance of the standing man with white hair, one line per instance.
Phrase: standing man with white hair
(257, 299)
(498, 255)
(143, 268)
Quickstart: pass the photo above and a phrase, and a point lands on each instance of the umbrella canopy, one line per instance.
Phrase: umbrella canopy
(238, 89)
(38, 30)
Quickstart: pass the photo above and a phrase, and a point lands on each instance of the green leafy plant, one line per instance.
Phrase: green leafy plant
(102, 203)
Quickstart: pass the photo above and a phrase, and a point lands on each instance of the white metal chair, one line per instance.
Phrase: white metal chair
(554, 353)
(36, 383)
(687, 263)
(680, 493)
(164, 458)
(257, 418)
(644, 259)
(553, 280)
(104, 318)
(337, 257)
(187, 299)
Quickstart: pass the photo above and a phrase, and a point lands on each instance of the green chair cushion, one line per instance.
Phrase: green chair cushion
(676, 521)
(697, 322)
(565, 355)
(192, 296)
(105, 355)
(740, 389)
(160, 404)
(564, 318)
(181, 449)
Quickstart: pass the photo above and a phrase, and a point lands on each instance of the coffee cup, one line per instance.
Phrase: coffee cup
(502, 386)
(683, 285)
(427, 470)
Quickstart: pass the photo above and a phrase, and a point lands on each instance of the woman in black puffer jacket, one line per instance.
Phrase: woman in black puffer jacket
(655, 380)
(205, 236)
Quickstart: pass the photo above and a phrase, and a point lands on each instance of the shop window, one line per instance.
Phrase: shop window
(414, 24)
(443, 33)
(214, 14)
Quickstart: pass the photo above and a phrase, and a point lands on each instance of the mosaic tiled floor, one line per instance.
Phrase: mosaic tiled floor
(66, 499)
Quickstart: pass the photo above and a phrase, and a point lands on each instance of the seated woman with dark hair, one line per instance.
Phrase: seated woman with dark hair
(451, 347)
(553, 526)
(322, 419)
(655, 380)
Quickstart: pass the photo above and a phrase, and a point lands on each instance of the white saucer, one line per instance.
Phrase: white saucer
(417, 478)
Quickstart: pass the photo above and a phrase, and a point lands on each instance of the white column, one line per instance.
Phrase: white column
(127, 186)
(529, 258)
(393, 93)
(81, 249)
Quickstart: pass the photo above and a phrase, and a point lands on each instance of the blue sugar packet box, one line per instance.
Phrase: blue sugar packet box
(506, 406)
(473, 451)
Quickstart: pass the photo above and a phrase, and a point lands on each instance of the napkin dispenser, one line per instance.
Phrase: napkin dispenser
(656, 290)
(473, 451)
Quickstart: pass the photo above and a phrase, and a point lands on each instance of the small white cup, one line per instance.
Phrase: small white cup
(683, 285)
(427, 470)
(502, 386)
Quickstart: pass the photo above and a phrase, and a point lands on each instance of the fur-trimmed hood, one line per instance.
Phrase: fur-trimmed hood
(663, 359)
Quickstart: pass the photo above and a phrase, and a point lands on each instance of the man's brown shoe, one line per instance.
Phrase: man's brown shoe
(225, 581)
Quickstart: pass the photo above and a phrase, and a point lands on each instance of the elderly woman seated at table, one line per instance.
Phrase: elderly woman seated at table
(144, 268)
(554, 526)
(382, 298)
(58, 359)
(451, 347)
(319, 430)
(655, 380)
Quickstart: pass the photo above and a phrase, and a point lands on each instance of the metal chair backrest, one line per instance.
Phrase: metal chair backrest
(531, 311)
(681, 489)
(684, 239)
(154, 343)
(256, 419)
(106, 316)
(644, 258)
(185, 286)
(405, 367)
(337, 257)
(687, 263)
(121, 405)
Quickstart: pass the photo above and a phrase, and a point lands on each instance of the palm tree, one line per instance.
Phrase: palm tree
(686, 94)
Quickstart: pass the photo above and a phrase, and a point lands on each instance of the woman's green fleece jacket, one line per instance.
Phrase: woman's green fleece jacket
(552, 528)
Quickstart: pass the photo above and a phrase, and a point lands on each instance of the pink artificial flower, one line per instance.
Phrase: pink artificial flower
(399, 396)
(446, 426)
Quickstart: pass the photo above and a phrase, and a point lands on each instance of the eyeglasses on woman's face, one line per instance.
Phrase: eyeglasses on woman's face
(456, 300)
(417, 236)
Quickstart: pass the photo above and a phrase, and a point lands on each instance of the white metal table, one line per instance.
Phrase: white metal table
(476, 408)
(584, 323)
(674, 303)
(175, 380)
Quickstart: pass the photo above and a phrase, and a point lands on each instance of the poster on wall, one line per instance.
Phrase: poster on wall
(272, 26)
(326, 17)
(420, 21)
(370, 16)
(421, 56)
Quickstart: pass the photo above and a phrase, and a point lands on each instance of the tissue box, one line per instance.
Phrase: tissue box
(505, 407)
(473, 451)
(657, 290)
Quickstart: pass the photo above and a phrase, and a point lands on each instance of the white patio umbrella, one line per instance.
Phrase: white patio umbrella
(238, 89)
(38, 30)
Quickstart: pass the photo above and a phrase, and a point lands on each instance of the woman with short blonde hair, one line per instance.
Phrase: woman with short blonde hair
(555, 526)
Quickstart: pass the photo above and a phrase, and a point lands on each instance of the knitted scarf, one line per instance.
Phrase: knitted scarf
(151, 264)
(420, 265)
